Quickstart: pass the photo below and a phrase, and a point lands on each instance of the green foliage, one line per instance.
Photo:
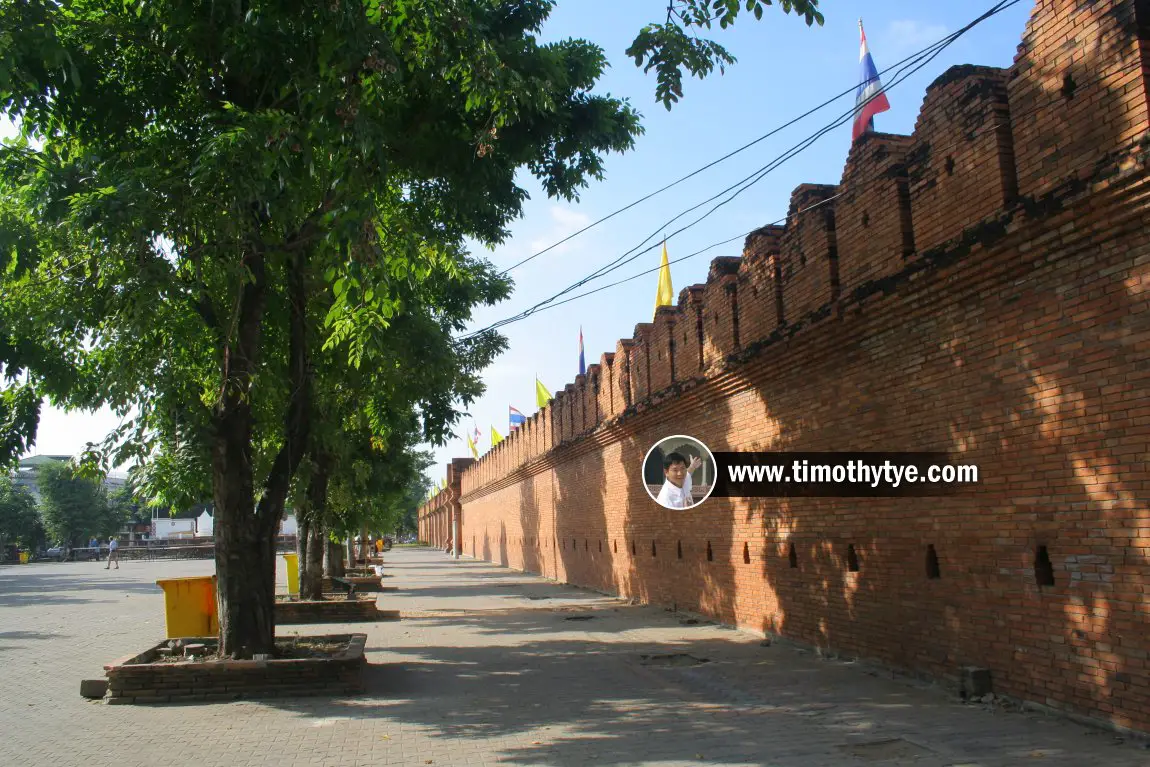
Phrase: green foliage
(241, 227)
(674, 46)
(19, 519)
(413, 495)
(75, 507)
(194, 157)
(124, 506)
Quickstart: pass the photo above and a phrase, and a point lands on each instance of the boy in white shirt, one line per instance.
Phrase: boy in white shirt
(676, 490)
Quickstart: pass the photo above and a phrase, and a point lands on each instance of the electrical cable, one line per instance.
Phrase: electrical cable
(744, 147)
(919, 60)
(935, 148)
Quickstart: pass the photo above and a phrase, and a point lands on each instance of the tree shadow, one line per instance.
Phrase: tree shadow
(584, 700)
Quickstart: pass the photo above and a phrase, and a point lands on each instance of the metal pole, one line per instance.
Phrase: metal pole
(455, 534)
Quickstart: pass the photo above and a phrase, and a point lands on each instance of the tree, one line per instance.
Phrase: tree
(75, 507)
(196, 182)
(674, 46)
(204, 171)
(409, 503)
(19, 519)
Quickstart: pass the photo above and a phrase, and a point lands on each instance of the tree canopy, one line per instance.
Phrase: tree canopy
(75, 508)
(210, 202)
(19, 518)
(674, 47)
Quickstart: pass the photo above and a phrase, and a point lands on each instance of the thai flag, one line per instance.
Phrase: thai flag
(582, 360)
(871, 99)
(516, 418)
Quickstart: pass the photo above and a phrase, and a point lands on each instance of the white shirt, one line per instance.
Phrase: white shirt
(677, 497)
(113, 545)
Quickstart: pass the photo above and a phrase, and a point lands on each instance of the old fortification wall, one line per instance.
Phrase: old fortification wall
(980, 287)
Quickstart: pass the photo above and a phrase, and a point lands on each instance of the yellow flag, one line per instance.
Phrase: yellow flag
(495, 438)
(471, 444)
(665, 295)
(542, 396)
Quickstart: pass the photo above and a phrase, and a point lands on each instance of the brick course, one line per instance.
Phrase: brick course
(994, 305)
(137, 679)
(337, 608)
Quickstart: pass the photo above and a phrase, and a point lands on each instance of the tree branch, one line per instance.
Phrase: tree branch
(297, 424)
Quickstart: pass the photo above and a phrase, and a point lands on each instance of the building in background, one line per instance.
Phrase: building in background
(195, 522)
(199, 522)
(27, 469)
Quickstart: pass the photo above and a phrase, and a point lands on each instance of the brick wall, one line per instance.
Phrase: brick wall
(982, 288)
(436, 517)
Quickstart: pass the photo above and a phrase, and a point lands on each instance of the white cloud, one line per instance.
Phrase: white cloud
(564, 221)
(909, 35)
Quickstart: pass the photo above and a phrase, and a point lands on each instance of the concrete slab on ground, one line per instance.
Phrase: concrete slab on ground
(491, 666)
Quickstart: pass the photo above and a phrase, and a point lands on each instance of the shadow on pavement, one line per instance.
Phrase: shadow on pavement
(605, 703)
(61, 588)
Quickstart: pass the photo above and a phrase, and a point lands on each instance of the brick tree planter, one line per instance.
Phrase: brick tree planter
(337, 608)
(366, 584)
(142, 679)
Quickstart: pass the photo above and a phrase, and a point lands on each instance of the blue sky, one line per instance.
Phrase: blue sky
(784, 68)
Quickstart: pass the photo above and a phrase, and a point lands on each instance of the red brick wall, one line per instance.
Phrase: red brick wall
(1077, 89)
(809, 266)
(961, 166)
(1019, 340)
(758, 283)
(872, 233)
(661, 347)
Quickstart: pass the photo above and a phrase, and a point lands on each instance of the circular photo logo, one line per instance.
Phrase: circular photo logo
(679, 472)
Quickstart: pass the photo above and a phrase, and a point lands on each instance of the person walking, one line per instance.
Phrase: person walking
(113, 553)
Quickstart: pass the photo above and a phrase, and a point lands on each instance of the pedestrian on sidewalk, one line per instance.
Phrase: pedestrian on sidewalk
(113, 553)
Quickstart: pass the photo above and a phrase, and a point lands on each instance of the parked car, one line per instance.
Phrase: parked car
(57, 553)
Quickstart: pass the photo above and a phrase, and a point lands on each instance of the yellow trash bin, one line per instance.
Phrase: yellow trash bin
(25, 556)
(292, 562)
(190, 606)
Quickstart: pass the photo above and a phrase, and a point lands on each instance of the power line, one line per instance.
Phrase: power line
(749, 181)
(936, 149)
(943, 41)
(700, 252)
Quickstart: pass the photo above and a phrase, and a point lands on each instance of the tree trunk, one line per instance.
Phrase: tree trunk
(246, 532)
(365, 545)
(311, 573)
(303, 526)
(311, 585)
(245, 545)
(333, 566)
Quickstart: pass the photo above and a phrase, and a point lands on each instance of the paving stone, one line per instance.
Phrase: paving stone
(479, 674)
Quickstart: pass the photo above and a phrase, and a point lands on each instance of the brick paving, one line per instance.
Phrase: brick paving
(491, 666)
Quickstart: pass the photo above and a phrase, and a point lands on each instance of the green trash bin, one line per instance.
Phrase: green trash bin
(190, 606)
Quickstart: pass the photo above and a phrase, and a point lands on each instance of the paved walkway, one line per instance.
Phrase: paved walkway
(492, 666)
